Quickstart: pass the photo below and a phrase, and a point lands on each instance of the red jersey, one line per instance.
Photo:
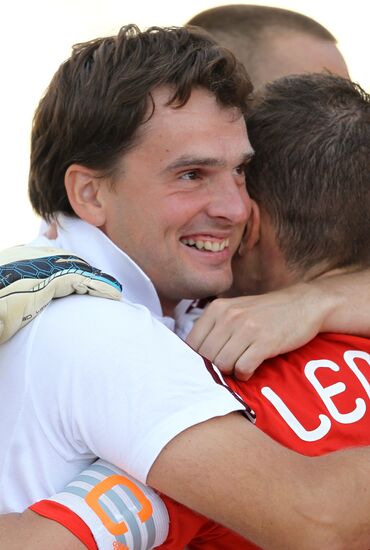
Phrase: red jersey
(313, 400)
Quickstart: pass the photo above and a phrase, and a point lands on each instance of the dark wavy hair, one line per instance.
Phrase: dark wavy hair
(100, 96)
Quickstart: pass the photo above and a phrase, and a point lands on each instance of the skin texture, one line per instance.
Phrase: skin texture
(281, 52)
(327, 508)
(184, 179)
(290, 52)
(258, 245)
(238, 334)
(29, 530)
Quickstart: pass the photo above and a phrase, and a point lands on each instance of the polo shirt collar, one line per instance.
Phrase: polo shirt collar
(91, 244)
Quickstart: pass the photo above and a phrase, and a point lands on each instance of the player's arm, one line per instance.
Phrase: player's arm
(32, 531)
(103, 508)
(235, 474)
(239, 333)
(114, 509)
(224, 468)
(229, 470)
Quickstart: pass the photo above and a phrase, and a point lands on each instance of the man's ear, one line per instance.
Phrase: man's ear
(83, 186)
(252, 231)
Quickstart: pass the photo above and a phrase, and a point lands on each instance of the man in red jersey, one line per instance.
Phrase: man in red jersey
(310, 222)
(310, 183)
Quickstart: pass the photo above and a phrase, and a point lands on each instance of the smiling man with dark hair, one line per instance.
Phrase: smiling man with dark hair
(162, 207)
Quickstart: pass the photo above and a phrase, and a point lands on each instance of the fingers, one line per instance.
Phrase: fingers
(215, 337)
(249, 361)
(222, 335)
(201, 329)
(213, 330)
(241, 354)
(97, 284)
(238, 334)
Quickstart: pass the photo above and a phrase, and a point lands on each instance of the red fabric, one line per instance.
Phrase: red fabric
(192, 530)
(285, 375)
(67, 518)
(288, 378)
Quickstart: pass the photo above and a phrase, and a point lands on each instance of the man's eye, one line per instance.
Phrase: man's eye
(191, 175)
(240, 170)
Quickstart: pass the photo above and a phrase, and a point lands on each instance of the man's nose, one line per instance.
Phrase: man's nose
(230, 200)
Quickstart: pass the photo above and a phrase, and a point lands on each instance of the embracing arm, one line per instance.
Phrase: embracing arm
(349, 311)
(232, 472)
(237, 334)
(31, 531)
(269, 494)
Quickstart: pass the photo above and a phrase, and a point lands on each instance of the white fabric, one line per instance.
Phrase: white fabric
(91, 377)
(120, 498)
(187, 313)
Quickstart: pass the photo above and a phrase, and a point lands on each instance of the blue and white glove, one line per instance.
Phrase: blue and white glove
(31, 277)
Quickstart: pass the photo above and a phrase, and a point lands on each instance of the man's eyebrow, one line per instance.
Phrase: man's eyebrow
(185, 161)
(248, 157)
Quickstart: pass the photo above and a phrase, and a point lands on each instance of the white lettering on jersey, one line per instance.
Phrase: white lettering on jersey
(291, 420)
(326, 393)
(349, 357)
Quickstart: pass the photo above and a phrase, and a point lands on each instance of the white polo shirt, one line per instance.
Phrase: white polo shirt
(92, 377)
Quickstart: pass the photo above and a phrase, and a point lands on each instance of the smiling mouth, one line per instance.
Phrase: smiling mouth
(209, 246)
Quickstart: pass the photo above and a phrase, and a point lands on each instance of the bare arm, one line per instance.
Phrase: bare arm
(350, 309)
(240, 333)
(232, 472)
(31, 531)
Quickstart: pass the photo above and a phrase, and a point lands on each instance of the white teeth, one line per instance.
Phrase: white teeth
(210, 246)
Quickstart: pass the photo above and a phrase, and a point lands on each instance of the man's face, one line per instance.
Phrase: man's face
(262, 267)
(179, 205)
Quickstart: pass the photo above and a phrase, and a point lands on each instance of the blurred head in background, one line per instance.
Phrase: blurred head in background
(272, 42)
